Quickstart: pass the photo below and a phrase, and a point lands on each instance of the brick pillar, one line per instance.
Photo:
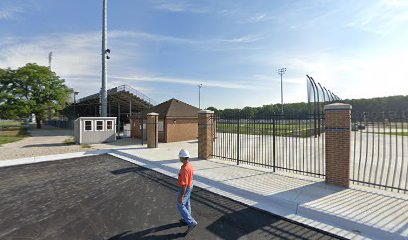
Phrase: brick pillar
(205, 134)
(152, 130)
(337, 142)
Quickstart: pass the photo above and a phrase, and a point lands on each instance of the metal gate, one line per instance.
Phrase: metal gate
(293, 143)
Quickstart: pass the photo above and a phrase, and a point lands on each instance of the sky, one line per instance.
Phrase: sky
(164, 49)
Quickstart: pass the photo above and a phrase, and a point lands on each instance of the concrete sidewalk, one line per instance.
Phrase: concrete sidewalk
(355, 213)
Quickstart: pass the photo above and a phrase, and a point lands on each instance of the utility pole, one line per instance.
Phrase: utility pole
(75, 94)
(199, 95)
(49, 59)
(105, 57)
(49, 66)
(281, 71)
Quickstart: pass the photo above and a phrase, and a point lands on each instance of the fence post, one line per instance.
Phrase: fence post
(142, 130)
(205, 134)
(274, 142)
(238, 140)
(337, 142)
(152, 130)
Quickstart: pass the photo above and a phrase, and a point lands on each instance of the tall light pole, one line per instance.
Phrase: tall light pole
(49, 59)
(49, 66)
(75, 94)
(199, 95)
(281, 71)
(105, 52)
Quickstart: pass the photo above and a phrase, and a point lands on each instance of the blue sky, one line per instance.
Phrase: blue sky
(357, 49)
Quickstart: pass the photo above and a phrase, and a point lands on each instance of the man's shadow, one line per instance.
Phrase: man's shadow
(129, 235)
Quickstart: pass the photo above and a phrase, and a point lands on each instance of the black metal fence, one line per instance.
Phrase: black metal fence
(379, 150)
(61, 124)
(293, 143)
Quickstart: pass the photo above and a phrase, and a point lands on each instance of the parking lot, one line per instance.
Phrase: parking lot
(102, 197)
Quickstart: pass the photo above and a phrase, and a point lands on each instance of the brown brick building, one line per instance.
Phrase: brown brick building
(178, 121)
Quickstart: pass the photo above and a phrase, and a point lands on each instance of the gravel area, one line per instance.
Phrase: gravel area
(45, 141)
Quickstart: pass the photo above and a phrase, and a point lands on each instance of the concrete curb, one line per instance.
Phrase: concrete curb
(22, 161)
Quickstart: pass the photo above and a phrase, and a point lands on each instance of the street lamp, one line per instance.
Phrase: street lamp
(281, 71)
(199, 95)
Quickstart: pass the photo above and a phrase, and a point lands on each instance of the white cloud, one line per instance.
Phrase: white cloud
(10, 13)
(381, 17)
(177, 6)
(188, 81)
(14, 9)
(73, 52)
(259, 17)
(77, 58)
(178, 40)
(359, 76)
(243, 39)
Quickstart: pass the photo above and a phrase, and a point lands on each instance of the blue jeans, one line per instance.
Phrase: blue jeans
(185, 208)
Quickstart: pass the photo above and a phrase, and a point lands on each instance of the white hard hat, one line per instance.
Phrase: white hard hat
(184, 153)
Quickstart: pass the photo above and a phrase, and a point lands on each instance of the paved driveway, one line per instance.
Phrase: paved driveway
(102, 197)
(45, 141)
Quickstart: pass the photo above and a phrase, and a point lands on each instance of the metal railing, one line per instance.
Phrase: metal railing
(293, 143)
(61, 124)
(122, 88)
(136, 93)
(379, 150)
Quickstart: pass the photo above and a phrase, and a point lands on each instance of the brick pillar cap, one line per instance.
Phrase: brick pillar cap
(205, 112)
(152, 114)
(338, 106)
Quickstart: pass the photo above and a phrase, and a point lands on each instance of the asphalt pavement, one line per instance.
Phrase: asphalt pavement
(103, 197)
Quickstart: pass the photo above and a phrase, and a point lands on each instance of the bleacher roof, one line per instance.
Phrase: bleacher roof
(118, 97)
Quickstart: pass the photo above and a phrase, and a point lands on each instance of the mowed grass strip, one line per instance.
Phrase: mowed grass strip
(11, 132)
(10, 125)
(288, 130)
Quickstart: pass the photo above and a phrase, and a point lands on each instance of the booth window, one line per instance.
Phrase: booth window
(88, 125)
(99, 125)
(109, 125)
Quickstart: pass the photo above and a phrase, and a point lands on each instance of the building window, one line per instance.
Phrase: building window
(99, 125)
(88, 125)
(109, 125)
(161, 126)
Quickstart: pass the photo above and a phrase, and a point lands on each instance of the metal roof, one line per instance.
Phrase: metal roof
(120, 99)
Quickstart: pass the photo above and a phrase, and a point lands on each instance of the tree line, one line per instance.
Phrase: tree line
(380, 104)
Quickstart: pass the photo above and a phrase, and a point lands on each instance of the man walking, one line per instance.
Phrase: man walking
(185, 182)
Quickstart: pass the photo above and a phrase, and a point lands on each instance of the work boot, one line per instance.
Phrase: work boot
(182, 221)
(191, 228)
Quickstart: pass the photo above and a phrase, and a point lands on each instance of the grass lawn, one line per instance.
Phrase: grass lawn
(9, 125)
(295, 130)
(405, 133)
(11, 132)
(399, 133)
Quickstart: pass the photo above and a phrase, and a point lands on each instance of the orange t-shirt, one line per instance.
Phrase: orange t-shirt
(185, 176)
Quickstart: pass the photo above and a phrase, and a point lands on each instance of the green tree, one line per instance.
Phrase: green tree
(215, 110)
(32, 89)
(247, 112)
